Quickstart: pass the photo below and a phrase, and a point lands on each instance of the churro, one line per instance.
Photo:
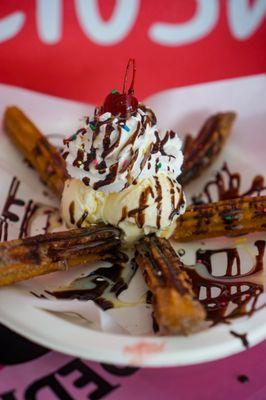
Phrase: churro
(200, 152)
(232, 217)
(41, 154)
(175, 308)
(27, 258)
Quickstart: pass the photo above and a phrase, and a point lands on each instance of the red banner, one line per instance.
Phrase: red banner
(79, 49)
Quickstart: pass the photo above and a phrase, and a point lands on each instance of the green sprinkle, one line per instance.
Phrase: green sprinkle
(92, 126)
(228, 218)
(114, 91)
(159, 165)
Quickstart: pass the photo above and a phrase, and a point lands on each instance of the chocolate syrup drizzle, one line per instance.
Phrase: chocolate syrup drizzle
(227, 186)
(103, 285)
(155, 193)
(7, 215)
(242, 336)
(84, 159)
(30, 212)
(230, 285)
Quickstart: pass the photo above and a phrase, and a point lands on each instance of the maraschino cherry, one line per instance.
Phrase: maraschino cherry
(122, 104)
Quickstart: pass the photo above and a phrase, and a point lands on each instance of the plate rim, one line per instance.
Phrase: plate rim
(168, 358)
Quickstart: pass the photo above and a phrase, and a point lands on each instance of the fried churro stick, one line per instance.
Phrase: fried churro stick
(38, 255)
(232, 217)
(43, 156)
(200, 152)
(175, 308)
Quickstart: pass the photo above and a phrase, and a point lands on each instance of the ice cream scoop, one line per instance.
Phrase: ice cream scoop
(123, 169)
(150, 206)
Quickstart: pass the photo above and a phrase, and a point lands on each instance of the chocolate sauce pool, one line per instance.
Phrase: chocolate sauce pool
(103, 285)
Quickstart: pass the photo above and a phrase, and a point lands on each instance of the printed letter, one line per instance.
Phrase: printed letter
(244, 18)
(110, 32)
(205, 18)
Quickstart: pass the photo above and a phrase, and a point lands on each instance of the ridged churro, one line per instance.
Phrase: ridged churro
(200, 152)
(175, 308)
(27, 258)
(233, 217)
(41, 154)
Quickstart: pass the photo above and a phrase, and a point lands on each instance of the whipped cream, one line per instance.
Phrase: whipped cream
(110, 153)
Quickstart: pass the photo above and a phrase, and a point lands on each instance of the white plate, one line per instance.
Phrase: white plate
(184, 110)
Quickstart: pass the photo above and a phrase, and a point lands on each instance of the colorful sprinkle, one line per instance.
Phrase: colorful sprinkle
(70, 139)
(114, 91)
(159, 165)
(228, 217)
(95, 162)
(126, 128)
(124, 163)
(92, 126)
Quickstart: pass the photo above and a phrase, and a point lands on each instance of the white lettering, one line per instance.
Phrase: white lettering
(11, 25)
(200, 25)
(244, 19)
(110, 32)
(49, 20)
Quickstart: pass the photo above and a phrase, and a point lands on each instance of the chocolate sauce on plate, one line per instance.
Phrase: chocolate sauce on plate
(103, 286)
(236, 294)
(227, 185)
(242, 336)
(7, 215)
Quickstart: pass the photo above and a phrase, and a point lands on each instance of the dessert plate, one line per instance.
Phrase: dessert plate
(125, 336)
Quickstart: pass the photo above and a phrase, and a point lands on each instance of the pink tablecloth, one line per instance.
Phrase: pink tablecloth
(57, 376)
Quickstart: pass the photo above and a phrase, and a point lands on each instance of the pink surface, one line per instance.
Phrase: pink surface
(215, 380)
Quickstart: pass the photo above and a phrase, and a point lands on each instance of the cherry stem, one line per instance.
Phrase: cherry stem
(132, 62)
